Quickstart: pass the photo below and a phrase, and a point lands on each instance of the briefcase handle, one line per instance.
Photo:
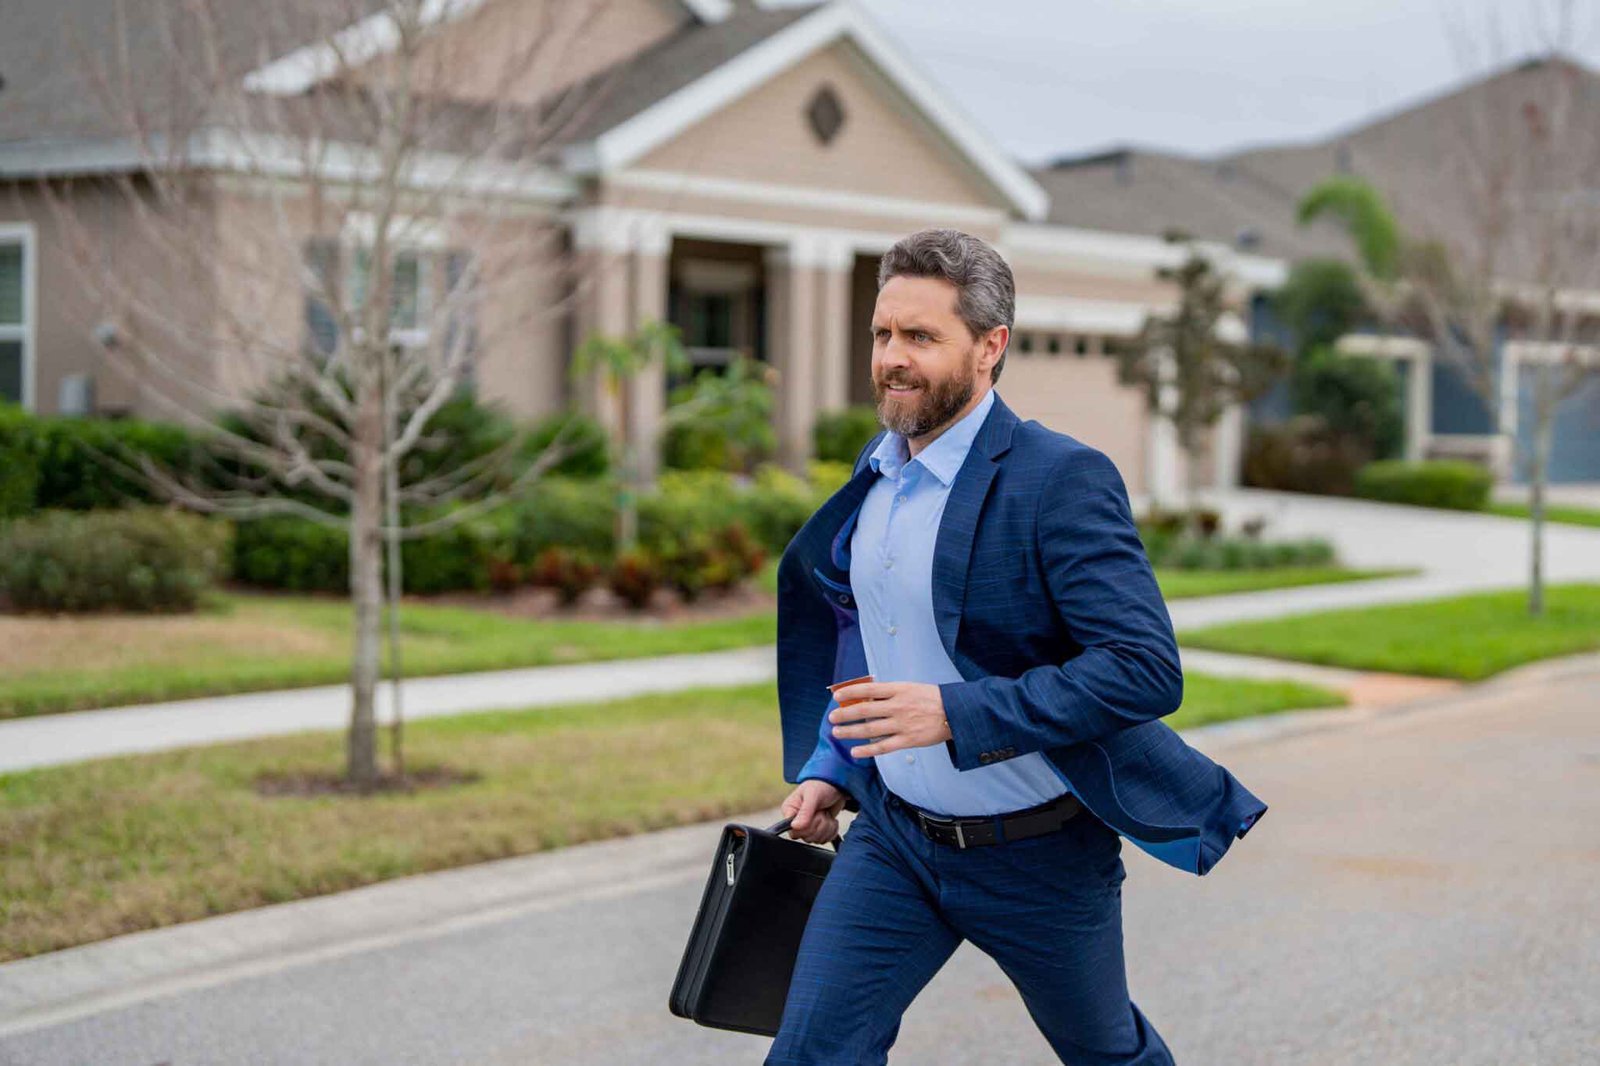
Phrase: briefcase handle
(783, 827)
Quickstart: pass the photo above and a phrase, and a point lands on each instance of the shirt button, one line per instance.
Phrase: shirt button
(900, 499)
(911, 758)
(887, 563)
(891, 631)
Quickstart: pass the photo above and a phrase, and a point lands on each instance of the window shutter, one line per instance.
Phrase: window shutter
(322, 326)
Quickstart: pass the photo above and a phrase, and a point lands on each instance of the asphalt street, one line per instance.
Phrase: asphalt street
(1422, 891)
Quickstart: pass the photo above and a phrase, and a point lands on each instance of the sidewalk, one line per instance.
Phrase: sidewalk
(55, 739)
(1460, 553)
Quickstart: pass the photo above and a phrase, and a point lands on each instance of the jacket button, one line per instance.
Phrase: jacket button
(843, 598)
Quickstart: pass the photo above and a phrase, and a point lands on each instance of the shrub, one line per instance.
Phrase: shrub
(21, 449)
(839, 436)
(777, 505)
(730, 427)
(72, 463)
(459, 557)
(1303, 455)
(565, 512)
(140, 559)
(1449, 483)
(826, 477)
(1354, 395)
(293, 553)
(634, 577)
(588, 450)
(570, 572)
(1189, 552)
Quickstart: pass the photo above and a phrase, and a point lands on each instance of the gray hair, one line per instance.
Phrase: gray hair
(986, 292)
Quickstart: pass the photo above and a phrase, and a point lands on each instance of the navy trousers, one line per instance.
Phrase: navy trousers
(895, 906)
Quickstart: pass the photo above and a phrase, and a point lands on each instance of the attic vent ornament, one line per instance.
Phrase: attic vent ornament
(826, 114)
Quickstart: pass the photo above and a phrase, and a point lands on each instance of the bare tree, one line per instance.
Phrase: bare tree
(1506, 250)
(337, 207)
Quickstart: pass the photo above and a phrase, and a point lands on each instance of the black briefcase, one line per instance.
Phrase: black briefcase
(736, 968)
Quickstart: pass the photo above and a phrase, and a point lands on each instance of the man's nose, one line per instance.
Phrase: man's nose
(896, 353)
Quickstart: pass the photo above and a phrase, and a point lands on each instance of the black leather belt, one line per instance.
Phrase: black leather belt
(993, 829)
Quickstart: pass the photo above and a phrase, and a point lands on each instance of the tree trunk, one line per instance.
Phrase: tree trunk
(366, 583)
(391, 512)
(1538, 472)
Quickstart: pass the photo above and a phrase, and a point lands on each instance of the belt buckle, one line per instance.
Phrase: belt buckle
(944, 823)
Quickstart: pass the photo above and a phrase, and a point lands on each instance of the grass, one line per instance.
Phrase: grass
(1569, 515)
(1465, 637)
(250, 642)
(1184, 584)
(109, 847)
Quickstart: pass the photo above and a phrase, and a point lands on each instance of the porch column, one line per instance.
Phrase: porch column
(1419, 405)
(602, 257)
(1163, 476)
(792, 318)
(835, 277)
(1227, 447)
(647, 398)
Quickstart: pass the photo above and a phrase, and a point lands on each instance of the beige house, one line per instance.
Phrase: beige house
(740, 176)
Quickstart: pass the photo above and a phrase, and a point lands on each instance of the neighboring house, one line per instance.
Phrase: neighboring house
(1249, 199)
(741, 175)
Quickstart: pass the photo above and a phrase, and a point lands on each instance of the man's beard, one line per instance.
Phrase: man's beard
(932, 406)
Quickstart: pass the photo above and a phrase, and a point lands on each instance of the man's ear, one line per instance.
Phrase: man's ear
(994, 346)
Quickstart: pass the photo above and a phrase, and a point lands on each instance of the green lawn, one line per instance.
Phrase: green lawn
(1466, 637)
(250, 642)
(109, 847)
(244, 642)
(1577, 516)
(1183, 584)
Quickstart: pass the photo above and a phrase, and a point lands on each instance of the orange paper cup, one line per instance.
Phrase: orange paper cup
(836, 686)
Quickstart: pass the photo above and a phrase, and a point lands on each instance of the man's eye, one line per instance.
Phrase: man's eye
(920, 337)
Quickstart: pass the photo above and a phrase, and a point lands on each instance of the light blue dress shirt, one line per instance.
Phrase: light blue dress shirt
(891, 574)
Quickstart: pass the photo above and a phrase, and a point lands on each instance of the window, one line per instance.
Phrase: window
(1054, 346)
(16, 325)
(1025, 343)
(345, 267)
(1081, 346)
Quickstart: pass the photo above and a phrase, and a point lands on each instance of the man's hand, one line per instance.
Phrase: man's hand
(814, 805)
(894, 714)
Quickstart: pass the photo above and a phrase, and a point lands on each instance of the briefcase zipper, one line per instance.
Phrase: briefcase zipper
(730, 871)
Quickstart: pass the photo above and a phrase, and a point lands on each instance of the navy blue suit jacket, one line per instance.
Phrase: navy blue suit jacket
(1047, 605)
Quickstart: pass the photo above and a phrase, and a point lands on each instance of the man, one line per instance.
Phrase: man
(988, 575)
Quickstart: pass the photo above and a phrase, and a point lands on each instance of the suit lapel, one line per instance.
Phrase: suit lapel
(958, 526)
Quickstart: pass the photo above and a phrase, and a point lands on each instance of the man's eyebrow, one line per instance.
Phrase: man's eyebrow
(908, 327)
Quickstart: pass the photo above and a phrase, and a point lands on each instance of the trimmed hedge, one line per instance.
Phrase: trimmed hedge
(293, 553)
(139, 559)
(1187, 552)
(68, 463)
(1451, 483)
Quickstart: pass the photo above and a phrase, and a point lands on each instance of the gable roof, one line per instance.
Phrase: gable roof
(1412, 155)
(688, 77)
(51, 107)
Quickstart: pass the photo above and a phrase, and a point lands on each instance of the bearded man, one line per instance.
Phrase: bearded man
(987, 573)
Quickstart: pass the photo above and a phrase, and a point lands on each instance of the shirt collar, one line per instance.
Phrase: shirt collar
(944, 457)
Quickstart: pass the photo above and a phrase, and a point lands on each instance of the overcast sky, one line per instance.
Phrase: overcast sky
(1062, 77)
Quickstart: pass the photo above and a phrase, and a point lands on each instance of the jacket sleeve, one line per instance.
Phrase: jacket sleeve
(1105, 593)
